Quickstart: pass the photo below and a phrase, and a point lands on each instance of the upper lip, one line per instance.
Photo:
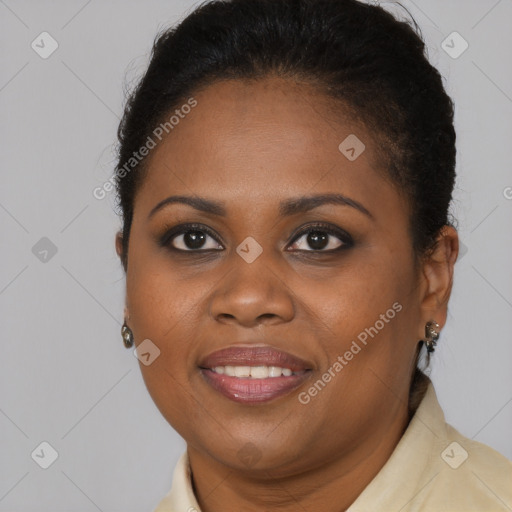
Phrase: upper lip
(254, 356)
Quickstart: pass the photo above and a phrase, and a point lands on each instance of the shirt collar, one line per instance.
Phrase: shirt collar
(181, 496)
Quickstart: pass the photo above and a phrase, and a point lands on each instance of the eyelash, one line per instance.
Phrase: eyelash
(342, 235)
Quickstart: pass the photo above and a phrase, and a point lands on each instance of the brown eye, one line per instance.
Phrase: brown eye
(322, 238)
(191, 238)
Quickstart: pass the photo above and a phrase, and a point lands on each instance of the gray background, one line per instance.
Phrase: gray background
(65, 377)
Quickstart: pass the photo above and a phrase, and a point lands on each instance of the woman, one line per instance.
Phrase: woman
(285, 174)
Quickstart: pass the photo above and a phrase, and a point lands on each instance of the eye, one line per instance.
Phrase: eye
(194, 238)
(190, 238)
(318, 236)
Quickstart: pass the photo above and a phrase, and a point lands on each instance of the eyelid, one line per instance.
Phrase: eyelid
(180, 229)
(330, 229)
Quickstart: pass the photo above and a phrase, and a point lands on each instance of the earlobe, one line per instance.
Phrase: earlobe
(438, 271)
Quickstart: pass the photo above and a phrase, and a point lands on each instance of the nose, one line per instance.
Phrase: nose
(252, 294)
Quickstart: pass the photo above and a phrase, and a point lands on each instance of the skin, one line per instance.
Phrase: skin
(252, 145)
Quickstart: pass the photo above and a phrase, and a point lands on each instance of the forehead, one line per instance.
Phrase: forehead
(258, 142)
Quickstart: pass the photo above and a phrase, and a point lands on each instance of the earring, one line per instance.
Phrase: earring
(127, 334)
(431, 335)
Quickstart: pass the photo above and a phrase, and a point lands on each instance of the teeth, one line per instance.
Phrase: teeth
(242, 371)
(259, 372)
(274, 371)
(256, 372)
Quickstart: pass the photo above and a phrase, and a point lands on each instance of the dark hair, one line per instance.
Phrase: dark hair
(358, 54)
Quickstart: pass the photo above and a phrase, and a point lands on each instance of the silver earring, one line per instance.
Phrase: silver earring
(127, 334)
(431, 335)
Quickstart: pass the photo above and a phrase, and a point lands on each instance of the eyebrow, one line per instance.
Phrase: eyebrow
(286, 208)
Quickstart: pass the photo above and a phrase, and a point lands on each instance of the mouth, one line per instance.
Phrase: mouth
(254, 374)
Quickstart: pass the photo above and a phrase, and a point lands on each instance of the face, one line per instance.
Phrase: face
(327, 289)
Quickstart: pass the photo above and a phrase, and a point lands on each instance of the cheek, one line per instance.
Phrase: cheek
(161, 310)
(368, 312)
(358, 295)
(162, 306)
(157, 299)
(347, 297)
(169, 302)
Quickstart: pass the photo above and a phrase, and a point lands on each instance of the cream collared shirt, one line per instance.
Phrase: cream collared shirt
(433, 468)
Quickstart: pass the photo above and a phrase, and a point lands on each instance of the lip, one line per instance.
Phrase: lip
(254, 356)
(249, 390)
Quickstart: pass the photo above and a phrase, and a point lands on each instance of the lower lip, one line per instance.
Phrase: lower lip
(250, 390)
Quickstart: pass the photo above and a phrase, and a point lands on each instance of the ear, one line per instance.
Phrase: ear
(437, 278)
(119, 251)
(119, 248)
(119, 243)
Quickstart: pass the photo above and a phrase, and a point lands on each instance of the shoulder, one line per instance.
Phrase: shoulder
(471, 475)
(459, 474)
(434, 468)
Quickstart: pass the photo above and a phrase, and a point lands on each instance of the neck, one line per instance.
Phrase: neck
(332, 486)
